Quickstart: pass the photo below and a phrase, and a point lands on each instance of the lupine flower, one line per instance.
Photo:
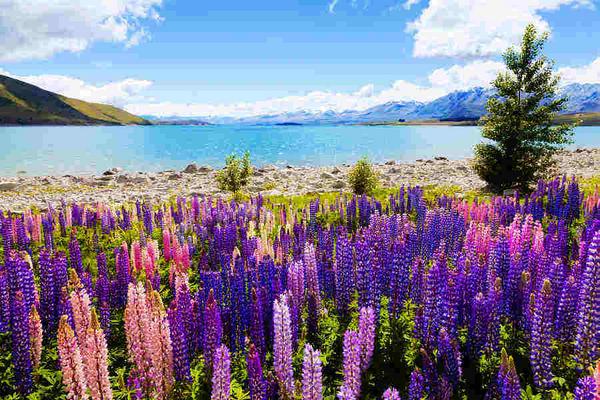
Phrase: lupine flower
(95, 356)
(587, 342)
(282, 346)
(311, 374)
(221, 378)
(256, 379)
(541, 336)
(585, 389)
(36, 336)
(350, 389)
(416, 388)
(508, 380)
(391, 394)
(70, 362)
(21, 344)
(213, 329)
(366, 332)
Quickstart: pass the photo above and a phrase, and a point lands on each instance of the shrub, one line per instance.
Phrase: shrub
(362, 178)
(236, 173)
(520, 119)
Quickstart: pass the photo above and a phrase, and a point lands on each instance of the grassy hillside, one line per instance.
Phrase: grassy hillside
(582, 119)
(25, 104)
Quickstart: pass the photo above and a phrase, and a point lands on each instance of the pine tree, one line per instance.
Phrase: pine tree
(520, 118)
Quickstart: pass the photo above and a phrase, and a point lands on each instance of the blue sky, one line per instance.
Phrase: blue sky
(228, 57)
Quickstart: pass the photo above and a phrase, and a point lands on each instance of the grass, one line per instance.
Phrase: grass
(25, 104)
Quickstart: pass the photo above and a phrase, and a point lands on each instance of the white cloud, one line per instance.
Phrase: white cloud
(37, 29)
(475, 28)
(587, 74)
(117, 93)
(476, 73)
(331, 6)
(409, 3)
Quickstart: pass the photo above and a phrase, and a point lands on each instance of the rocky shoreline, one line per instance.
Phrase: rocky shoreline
(117, 186)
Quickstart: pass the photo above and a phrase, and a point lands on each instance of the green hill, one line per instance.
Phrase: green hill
(25, 104)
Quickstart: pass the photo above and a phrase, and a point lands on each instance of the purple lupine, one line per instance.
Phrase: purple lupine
(416, 387)
(181, 359)
(282, 347)
(75, 260)
(221, 377)
(391, 394)
(21, 344)
(449, 357)
(257, 324)
(565, 322)
(509, 387)
(312, 381)
(344, 272)
(366, 332)
(585, 389)
(213, 328)
(587, 342)
(256, 379)
(541, 337)
(103, 293)
(4, 301)
(350, 389)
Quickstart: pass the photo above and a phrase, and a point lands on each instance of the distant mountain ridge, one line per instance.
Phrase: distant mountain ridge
(25, 104)
(458, 105)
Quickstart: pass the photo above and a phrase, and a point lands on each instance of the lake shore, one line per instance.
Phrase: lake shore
(117, 186)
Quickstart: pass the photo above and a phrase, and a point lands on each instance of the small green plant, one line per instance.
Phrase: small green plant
(236, 173)
(362, 177)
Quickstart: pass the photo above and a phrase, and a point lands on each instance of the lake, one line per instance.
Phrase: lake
(44, 150)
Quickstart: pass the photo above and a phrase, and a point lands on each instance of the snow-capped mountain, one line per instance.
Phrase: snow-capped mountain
(459, 105)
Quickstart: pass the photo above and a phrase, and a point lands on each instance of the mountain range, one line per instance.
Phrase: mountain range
(25, 104)
(456, 106)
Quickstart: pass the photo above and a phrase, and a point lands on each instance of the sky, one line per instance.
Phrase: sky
(241, 58)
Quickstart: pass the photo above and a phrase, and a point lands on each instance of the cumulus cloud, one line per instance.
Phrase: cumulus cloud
(476, 28)
(457, 77)
(117, 93)
(37, 29)
(586, 74)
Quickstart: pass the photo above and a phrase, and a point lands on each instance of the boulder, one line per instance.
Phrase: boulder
(8, 186)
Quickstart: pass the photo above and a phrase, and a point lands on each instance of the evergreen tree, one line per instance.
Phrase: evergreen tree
(520, 118)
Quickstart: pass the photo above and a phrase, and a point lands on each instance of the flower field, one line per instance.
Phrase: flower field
(410, 296)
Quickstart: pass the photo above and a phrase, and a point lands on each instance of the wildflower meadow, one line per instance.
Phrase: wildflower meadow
(408, 296)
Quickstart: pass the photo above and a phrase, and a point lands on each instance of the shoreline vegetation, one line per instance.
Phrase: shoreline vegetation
(117, 186)
(579, 119)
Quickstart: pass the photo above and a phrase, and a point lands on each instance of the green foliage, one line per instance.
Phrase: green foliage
(520, 119)
(236, 173)
(362, 178)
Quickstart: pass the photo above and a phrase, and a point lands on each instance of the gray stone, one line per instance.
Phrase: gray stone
(191, 168)
(173, 177)
(335, 170)
(390, 162)
(325, 175)
(338, 185)
(8, 186)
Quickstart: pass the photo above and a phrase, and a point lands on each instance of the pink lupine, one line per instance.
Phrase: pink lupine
(95, 355)
(137, 329)
(221, 377)
(366, 332)
(36, 336)
(70, 362)
(312, 386)
(163, 355)
(80, 304)
(282, 346)
(391, 394)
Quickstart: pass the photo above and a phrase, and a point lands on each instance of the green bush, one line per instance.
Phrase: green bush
(519, 123)
(362, 178)
(236, 173)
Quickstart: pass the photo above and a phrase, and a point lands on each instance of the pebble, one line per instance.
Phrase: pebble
(20, 191)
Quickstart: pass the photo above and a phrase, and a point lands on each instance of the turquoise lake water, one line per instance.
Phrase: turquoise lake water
(82, 150)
